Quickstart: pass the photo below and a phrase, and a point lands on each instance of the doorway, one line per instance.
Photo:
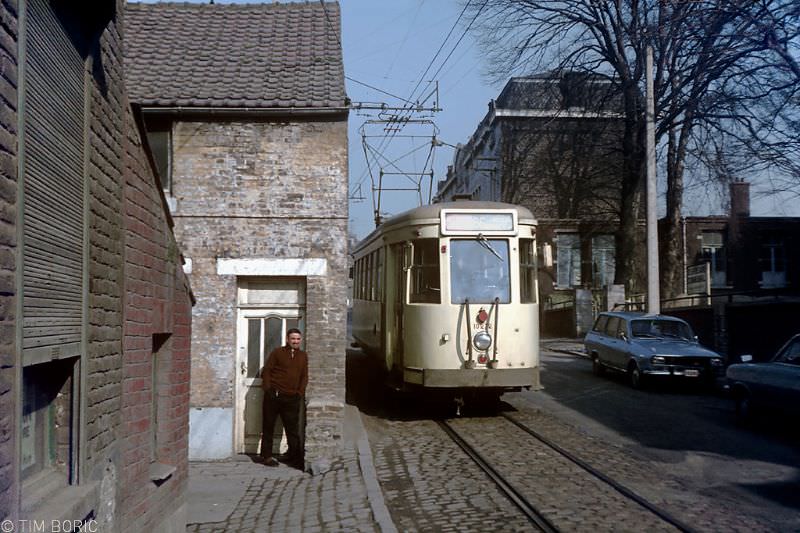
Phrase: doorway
(267, 310)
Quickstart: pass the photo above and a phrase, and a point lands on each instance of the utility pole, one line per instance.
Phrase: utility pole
(653, 293)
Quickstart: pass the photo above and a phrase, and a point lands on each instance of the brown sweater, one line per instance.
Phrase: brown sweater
(286, 371)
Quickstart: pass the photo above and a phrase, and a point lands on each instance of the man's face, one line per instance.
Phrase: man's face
(294, 340)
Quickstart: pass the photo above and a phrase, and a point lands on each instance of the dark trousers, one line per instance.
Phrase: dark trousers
(288, 408)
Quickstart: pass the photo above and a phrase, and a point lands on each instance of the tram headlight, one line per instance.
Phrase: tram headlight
(482, 340)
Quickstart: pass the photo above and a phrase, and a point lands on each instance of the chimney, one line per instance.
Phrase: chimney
(740, 199)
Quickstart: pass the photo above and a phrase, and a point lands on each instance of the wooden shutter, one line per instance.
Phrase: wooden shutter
(53, 115)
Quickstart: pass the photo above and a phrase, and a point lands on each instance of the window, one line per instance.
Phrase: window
(790, 354)
(603, 264)
(600, 324)
(773, 264)
(568, 260)
(48, 416)
(713, 251)
(479, 271)
(661, 328)
(159, 137)
(425, 285)
(612, 326)
(378, 274)
(527, 270)
(368, 274)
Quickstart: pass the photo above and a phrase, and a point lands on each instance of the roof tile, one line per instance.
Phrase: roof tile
(225, 55)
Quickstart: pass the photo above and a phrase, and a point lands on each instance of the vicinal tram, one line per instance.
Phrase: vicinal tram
(445, 299)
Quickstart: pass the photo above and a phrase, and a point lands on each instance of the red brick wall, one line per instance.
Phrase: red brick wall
(8, 194)
(156, 302)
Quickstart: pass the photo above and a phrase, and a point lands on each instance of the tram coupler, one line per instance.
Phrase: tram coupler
(459, 404)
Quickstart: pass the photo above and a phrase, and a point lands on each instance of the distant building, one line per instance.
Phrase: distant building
(750, 300)
(553, 143)
(744, 253)
(95, 310)
(246, 112)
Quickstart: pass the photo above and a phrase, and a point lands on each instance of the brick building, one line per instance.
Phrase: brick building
(95, 310)
(247, 114)
(744, 252)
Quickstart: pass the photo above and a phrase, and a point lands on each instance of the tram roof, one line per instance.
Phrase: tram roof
(431, 214)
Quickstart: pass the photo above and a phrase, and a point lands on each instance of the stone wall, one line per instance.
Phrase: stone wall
(265, 190)
(8, 201)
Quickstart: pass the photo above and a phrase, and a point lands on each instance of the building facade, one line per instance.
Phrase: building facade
(553, 143)
(247, 114)
(744, 253)
(95, 310)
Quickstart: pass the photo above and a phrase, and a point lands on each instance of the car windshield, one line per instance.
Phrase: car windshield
(790, 354)
(661, 328)
(479, 270)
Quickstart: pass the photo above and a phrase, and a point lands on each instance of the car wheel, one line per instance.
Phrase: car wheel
(744, 406)
(635, 376)
(597, 367)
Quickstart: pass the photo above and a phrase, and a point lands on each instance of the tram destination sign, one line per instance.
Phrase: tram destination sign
(469, 222)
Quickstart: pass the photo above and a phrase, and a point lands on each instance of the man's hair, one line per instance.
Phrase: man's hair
(293, 330)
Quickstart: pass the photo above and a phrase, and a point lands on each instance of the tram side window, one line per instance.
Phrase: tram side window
(357, 280)
(368, 284)
(527, 271)
(378, 274)
(425, 287)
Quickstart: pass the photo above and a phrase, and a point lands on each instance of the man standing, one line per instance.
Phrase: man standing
(284, 381)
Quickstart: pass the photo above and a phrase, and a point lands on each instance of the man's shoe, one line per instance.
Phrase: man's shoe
(300, 465)
(284, 458)
(269, 461)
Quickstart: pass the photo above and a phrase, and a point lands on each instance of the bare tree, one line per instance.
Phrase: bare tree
(703, 49)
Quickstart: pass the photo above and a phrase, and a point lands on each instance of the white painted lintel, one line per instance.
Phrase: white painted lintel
(272, 267)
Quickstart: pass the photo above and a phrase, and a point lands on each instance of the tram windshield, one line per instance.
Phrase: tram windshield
(479, 270)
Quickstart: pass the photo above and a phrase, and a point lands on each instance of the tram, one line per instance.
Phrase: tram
(445, 300)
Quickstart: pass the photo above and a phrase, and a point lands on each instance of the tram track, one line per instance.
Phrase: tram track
(533, 510)
(530, 511)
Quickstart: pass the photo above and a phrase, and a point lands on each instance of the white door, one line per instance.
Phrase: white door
(261, 328)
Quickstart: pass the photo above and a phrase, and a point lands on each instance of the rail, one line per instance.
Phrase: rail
(533, 514)
(602, 477)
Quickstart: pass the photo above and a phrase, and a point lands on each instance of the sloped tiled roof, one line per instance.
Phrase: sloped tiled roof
(269, 55)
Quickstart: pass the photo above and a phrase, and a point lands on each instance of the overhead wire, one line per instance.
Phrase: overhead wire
(402, 118)
(408, 111)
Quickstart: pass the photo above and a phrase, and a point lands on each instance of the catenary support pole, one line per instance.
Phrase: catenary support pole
(653, 295)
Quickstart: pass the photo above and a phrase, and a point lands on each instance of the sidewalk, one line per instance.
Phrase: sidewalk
(566, 346)
(240, 495)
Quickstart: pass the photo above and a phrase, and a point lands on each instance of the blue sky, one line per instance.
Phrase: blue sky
(388, 45)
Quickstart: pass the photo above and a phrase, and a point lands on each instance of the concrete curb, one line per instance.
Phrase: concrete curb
(374, 492)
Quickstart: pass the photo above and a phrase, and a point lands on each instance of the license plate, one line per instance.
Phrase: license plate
(691, 373)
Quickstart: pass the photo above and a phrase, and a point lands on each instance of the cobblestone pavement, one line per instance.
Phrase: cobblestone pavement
(703, 512)
(429, 484)
(568, 496)
(238, 495)
(288, 500)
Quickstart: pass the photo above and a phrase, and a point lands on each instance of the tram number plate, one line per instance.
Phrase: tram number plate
(691, 373)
